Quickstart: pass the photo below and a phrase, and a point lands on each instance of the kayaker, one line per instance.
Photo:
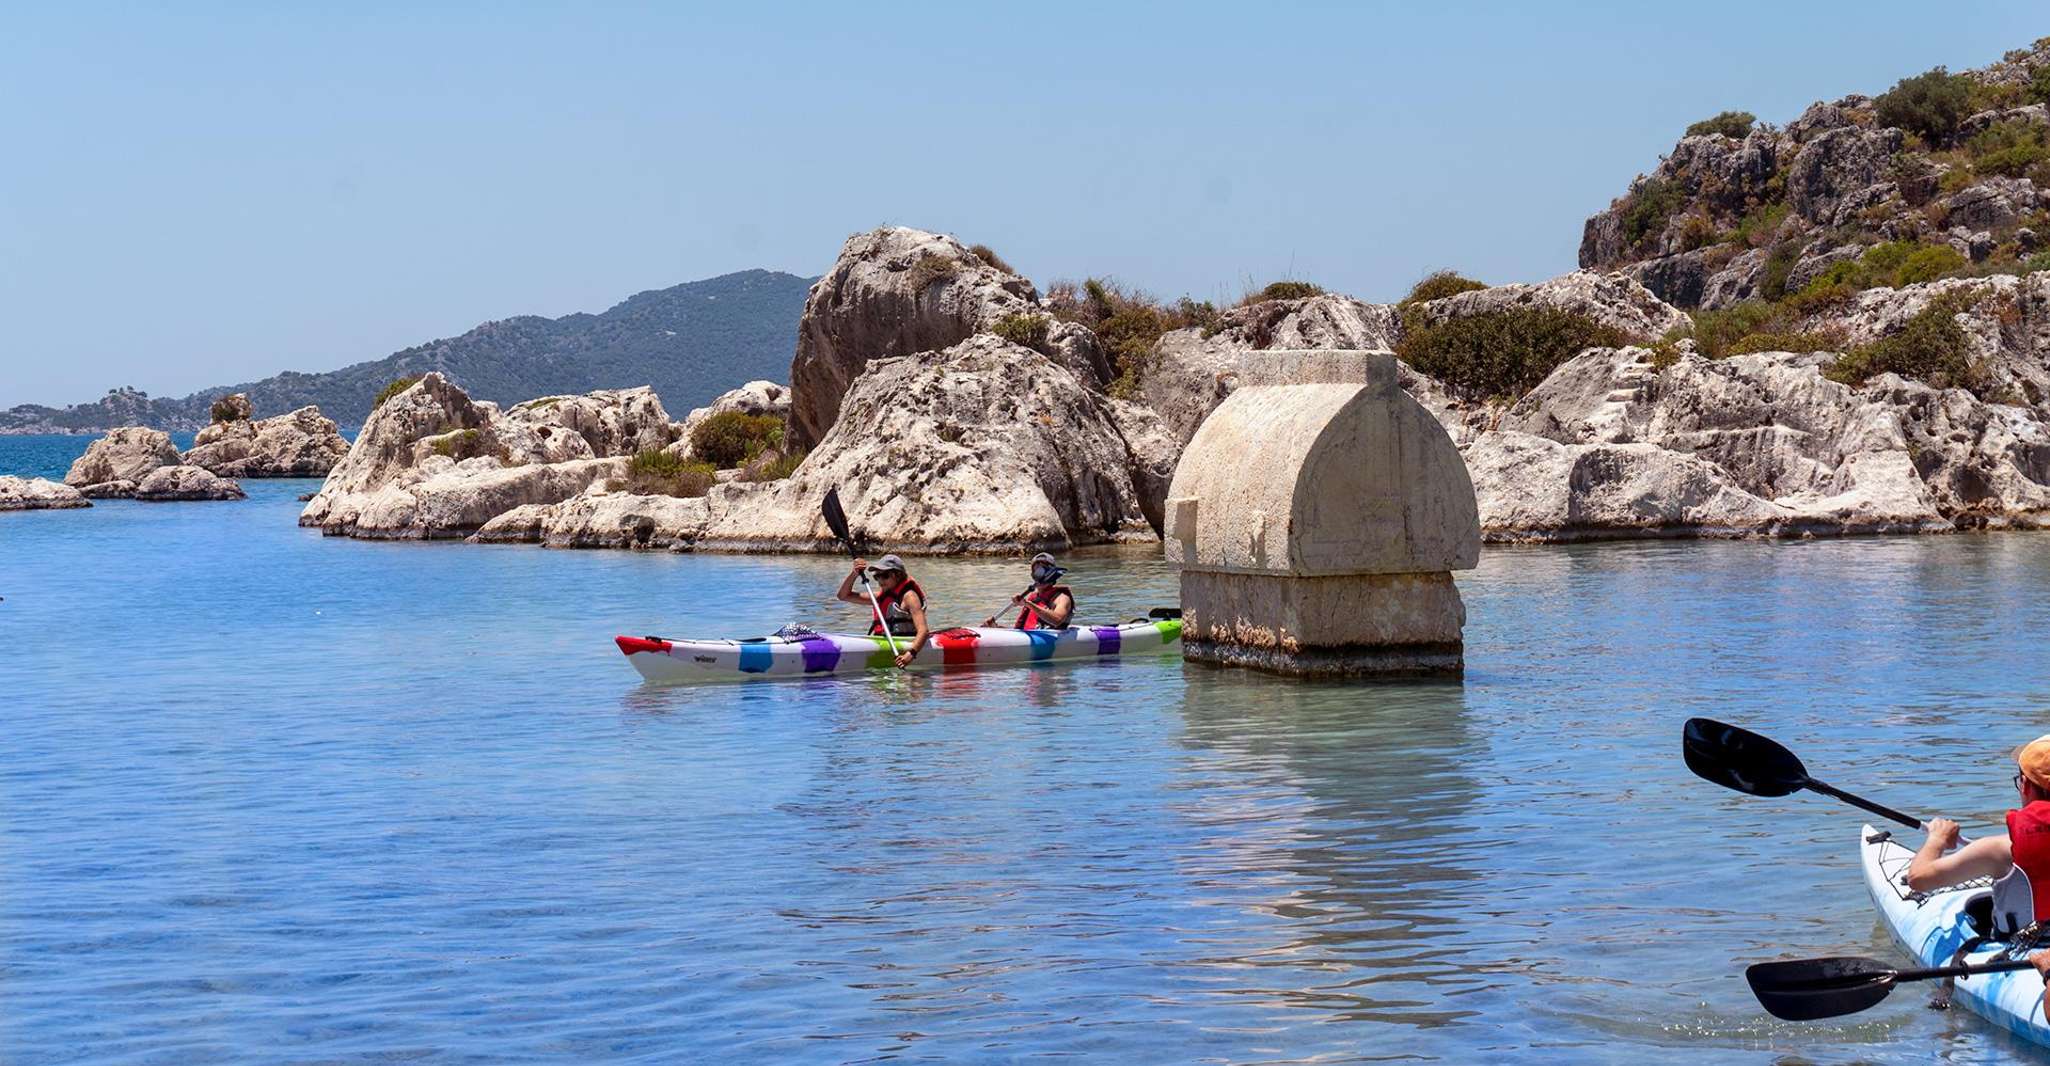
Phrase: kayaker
(899, 599)
(2025, 848)
(1047, 604)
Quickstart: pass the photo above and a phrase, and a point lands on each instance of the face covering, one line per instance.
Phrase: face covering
(1044, 574)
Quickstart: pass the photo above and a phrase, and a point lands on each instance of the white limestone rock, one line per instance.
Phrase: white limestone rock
(38, 494)
(125, 454)
(896, 291)
(171, 483)
(303, 443)
(984, 446)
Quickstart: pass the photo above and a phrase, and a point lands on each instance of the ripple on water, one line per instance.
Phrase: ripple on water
(270, 796)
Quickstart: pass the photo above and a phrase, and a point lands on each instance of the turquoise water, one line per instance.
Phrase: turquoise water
(274, 797)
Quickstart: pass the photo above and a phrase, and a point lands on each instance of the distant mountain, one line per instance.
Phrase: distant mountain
(691, 342)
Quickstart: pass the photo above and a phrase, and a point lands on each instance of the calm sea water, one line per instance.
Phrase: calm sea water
(273, 797)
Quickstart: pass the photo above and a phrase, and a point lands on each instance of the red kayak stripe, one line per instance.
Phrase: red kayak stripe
(630, 645)
(957, 646)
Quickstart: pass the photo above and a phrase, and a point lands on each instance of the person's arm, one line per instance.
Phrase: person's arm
(846, 593)
(914, 604)
(1932, 869)
(1062, 610)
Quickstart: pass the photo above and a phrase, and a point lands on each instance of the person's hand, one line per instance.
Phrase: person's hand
(1943, 833)
(903, 659)
(2041, 961)
(859, 566)
(1018, 600)
(989, 622)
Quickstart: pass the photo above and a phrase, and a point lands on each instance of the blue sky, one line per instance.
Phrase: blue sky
(218, 193)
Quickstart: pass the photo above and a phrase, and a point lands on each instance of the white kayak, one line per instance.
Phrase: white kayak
(660, 659)
(1933, 925)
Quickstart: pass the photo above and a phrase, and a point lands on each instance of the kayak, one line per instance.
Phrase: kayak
(811, 654)
(1931, 926)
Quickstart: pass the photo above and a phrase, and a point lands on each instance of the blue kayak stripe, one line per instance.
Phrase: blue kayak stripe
(1043, 641)
(755, 658)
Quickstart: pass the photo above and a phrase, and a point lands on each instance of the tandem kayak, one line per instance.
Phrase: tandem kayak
(660, 659)
(1932, 926)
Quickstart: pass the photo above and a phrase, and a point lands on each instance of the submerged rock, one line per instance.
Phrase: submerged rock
(125, 454)
(37, 494)
(170, 483)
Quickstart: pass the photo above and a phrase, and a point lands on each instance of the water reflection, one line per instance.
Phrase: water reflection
(1340, 800)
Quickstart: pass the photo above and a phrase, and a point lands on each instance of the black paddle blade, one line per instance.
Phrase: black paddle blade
(1806, 989)
(836, 518)
(1740, 759)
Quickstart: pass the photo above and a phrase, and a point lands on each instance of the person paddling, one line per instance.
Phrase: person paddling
(1047, 604)
(897, 598)
(2018, 863)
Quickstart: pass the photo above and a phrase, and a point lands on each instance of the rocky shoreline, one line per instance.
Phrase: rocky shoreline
(957, 412)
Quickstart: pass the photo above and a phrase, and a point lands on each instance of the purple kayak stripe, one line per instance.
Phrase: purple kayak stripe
(1107, 639)
(820, 654)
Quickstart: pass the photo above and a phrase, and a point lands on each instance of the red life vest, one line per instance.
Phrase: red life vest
(1043, 599)
(891, 605)
(2028, 831)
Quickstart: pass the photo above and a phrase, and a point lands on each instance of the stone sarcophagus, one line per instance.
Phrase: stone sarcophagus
(1317, 517)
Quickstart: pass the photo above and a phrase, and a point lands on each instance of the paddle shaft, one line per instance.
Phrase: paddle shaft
(882, 622)
(1934, 972)
(1861, 802)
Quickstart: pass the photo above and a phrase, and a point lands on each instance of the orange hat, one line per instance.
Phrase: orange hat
(2034, 760)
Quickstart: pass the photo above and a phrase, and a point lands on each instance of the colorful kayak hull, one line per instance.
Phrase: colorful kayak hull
(1932, 927)
(659, 659)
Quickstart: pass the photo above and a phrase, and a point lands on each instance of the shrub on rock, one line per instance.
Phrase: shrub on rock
(1500, 355)
(1929, 105)
(730, 438)
(990, 257)
(1931, 347)
(1283, 290)
(1732, 124)
(655, 472)
(397, 385)
(1439, 283)
(1024, 330)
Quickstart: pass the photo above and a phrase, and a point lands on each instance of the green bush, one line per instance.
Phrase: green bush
(1930, 104)
(1022, 329)
(2039, 85)
(1929, 263)
(1717, 332)
(1439, 284)
(984, 253)
(1931, 347)
(1648, 208)
(2010, 162)
(730, 438)
(930, 270)
(1732, 124)
(654, 472)
(773, 465)
(1283, 290)
(1757, 227)
(1128, 323)
(1501, 355)
(459, 444)
(397, 386)
(2039, 261)
(1779, 263)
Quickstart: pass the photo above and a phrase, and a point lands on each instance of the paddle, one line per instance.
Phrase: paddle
(1007, 610)
(1802, 990)
(1742, 760)
(836, 520)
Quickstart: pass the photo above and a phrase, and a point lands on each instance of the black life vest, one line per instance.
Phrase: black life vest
(1042, 599)
(891, 604)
